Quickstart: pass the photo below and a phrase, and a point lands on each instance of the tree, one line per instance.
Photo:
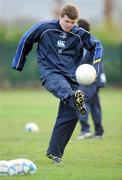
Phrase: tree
(108, 10)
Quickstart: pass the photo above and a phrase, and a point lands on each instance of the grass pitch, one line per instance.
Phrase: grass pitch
(83, 159)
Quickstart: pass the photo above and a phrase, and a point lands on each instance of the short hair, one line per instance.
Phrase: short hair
(71, 11)
(83, 24)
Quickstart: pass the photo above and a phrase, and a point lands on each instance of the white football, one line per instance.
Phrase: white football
(21, 166)
(85, 74)
(7, 168)
(31, 127)
(31, 165)
(24, 166)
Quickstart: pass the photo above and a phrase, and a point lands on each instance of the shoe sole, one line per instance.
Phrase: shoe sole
(86, 136)
(55, 159)
(79, 100)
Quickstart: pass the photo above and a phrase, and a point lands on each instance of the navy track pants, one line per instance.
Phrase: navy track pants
(67, 116)
(93, 106)
(65, 123)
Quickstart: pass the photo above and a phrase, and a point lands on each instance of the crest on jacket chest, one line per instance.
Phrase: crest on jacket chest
(63, 35)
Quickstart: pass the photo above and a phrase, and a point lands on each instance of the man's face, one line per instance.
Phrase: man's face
(66, 23)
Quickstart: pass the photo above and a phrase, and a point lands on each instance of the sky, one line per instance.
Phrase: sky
(10, 10)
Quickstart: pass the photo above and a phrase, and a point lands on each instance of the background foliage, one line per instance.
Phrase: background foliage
(109, 34)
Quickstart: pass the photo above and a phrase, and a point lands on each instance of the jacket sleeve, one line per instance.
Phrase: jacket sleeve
(97, 58)
(102, 77)
(95, 48)
(25, 45)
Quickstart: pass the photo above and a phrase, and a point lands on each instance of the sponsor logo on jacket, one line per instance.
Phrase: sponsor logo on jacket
(61, 44)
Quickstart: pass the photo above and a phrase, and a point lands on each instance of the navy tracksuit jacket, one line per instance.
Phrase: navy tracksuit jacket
(59, 53)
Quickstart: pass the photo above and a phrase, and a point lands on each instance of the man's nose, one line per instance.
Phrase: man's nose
(69, 24)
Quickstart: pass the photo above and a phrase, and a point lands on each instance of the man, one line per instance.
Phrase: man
(91, 93)
(59, 53)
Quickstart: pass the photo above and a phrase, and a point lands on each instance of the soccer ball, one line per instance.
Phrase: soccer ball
(31, 165)
(24, 166)
(21, 166)
(85, 74)
(31, 127)
(7, 168)
(17, 167)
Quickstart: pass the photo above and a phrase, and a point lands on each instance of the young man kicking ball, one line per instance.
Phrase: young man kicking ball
(59, 51)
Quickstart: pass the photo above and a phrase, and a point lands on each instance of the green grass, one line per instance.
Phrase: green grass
(83, 160)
